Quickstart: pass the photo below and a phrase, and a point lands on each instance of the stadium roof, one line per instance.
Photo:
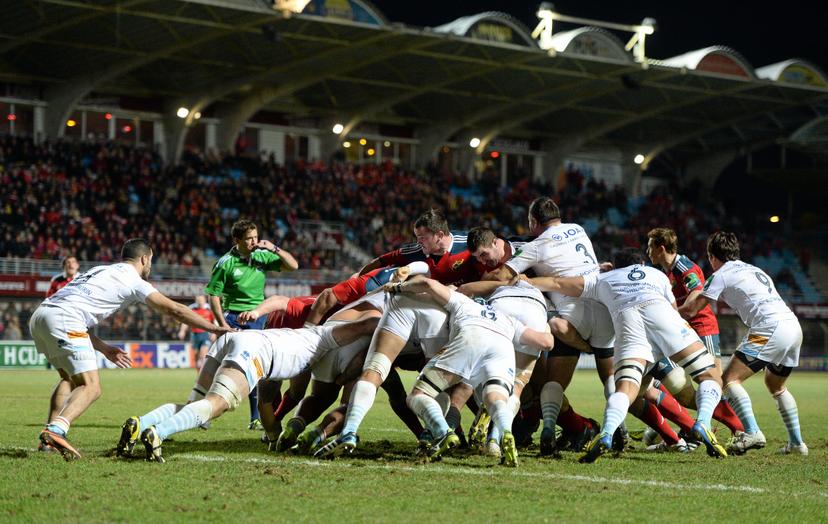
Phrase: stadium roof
(479, 74)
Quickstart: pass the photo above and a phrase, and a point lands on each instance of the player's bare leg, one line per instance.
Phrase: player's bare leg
(270, 393)
(226, 393)
(385, 347)
(700, 365)
(321, 397)
(70, 398)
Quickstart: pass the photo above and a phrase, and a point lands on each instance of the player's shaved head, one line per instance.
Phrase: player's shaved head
(479, 237)
(543, 210)
(723, 245)
(135, 248)
(629, 256)
(434, 220)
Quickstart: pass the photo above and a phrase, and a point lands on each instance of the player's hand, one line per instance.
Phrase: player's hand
(117, 356)
(605, 266)
(248, 316)
(518, 278)
(400, 275)
(464, 289)
(221, 330)
(393, 287)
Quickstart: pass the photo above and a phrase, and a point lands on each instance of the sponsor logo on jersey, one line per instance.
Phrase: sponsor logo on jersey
(456, 265)
(709, 280)
(692, 281)
(518, 252)
(237, 273)
(557, 238)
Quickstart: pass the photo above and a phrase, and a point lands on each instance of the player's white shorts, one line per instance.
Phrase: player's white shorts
(63, 340)
(528, 311)
(334, 363)
(277, 354)
(590, 318)
(650, 331)
(778, 344)
(477, 355)
(410, 318)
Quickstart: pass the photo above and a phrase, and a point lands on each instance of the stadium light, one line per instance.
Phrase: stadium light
(11, 117)
(108, 116)
(495, 154)
(346, 144)
(362, 141)
(639, 159)
(386, 143)
(182, 112)
(774, 219)
(370, 151)
(197, 115)
(71, 123)
(474, 142)
(338, 128)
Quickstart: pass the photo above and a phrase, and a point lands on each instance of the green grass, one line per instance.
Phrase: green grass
(225, 473)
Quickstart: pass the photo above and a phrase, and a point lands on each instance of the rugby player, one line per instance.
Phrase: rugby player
(772, 342)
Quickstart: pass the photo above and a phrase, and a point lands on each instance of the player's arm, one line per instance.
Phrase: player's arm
(502, 274)
(482, 288)
(440, 293)
(183, 314)
(117, 356)
(569, 286)
(392, 258)
(270, 304)
(218, 312)
(370, 266)
(694, 303)
(323, 303)
(542, 340)
(182, 331)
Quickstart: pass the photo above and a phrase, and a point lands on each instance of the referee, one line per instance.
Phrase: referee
(237, 283)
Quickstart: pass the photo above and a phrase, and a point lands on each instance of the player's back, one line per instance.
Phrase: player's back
(751, 292)
(566, 252)
(96, 294)
(627, 287)
(466, 313)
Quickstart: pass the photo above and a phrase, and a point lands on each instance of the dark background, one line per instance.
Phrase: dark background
(763, 33)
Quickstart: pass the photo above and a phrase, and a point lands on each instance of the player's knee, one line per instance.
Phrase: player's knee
(93, 390)
(700, 365)
(431, 382)
(675, 381)
(629, 370)
(496, 389)
(377, 368)
(225, 388)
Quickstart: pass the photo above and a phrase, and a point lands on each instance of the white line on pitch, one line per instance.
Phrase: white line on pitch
(478, 472)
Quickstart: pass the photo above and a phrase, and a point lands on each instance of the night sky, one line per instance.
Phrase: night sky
(796, 30)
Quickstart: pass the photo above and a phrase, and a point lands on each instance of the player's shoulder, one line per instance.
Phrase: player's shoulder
(684, 264)
(57, 278)
(459, 242)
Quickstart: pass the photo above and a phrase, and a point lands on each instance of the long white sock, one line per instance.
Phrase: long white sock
(739, 400)
(786, 403)
(502, 419)
(609, 386)
(191, 416)
(514, 404)
(362, 398)
(158, 415)
(616, 411)
(429, 411)
(707, 398)
(551, 399)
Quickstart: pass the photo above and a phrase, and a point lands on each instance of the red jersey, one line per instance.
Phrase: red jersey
(686, 277)
(204, 312)
(475, 269)
(295, 314)
(58, 281)
(447, 269)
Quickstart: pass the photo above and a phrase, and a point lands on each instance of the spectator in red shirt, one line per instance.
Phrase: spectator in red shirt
(70, 270)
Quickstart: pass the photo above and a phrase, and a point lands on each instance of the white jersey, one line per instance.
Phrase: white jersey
(466, 313)
(98, 293)
(561, 251)
(750, 291)
(623, 288)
